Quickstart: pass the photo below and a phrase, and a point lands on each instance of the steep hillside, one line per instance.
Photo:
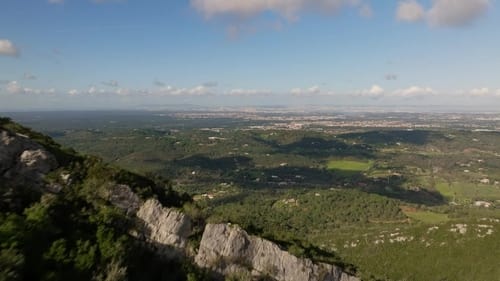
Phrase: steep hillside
(65, 215)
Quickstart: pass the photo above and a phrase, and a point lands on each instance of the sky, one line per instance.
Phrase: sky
(131, 54)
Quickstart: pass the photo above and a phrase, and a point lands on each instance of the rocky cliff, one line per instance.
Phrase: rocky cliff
(23, 161)
(230, 250)
(164, 228)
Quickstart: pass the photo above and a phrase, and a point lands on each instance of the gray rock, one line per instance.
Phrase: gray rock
(164, 226)
(224, 246)
(38, 161)
(23, 161)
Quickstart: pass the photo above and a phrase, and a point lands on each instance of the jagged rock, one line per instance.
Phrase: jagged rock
(223, 246)
(164, 227)
(23, 161)
(38, 161)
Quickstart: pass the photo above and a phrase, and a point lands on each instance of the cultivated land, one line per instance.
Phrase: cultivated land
(391, 196)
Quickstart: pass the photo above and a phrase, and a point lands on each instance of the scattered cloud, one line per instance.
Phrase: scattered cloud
(174, 91)
(56, 1)
(15, 88)
(479, 92)
(7, 48)
(414, 92)
(410, 11)
(29, 76)
(314, 90)
(248, 92)
(443, 13)
(110, 83)
(159, 92)
(288, 9)
(391, 77)
(374, 92)
(456, 12)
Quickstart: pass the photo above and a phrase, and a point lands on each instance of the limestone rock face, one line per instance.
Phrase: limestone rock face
(164, 227)
(23, 161)
(223, 246)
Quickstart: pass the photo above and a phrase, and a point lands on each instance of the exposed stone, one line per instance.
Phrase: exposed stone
(23, 161)
(224, 246)
(38, 161)
(164, 226)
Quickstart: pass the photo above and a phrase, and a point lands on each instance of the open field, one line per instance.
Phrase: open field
(350, 165)
(427, 217)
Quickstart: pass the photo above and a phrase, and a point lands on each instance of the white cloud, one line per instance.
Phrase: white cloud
(173, 91)
(123, 92)
(288, 9)
(14, 88)
(479, 92)
(374, 92)
(456, 12)
(248, 92)
(410, 11)
(7, 48)
(414, 92)
(312, 91)
(162, 91)
(497, 93)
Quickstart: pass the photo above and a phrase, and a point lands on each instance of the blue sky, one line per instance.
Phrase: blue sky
(85, 54)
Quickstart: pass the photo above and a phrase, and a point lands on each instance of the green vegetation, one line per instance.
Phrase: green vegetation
(382, 202)
(427, 217)
(349, 165)
(466, 191)
(77, 234)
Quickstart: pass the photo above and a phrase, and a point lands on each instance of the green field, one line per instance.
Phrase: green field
(427, 217)
(350, 165)
(463, 191)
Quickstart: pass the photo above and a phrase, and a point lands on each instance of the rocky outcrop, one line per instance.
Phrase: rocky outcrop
(23, 161)
(230, 250)
(163, 227)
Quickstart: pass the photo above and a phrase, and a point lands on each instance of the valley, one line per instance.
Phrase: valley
(389, 196)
